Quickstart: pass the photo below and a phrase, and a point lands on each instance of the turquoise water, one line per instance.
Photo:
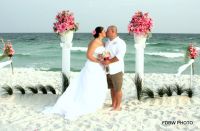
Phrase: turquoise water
(164, 52)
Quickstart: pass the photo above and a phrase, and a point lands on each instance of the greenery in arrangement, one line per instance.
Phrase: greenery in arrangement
(51, 89)
(20, 89)
(178, 89)
(8, 90)
(65, 82)
(34, 90)
(161, 91)
(149, 93)
(138, 85)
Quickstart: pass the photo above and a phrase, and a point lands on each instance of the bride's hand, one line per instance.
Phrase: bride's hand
(100, 57)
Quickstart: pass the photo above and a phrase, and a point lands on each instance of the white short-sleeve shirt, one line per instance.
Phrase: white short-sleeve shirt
(116, 47)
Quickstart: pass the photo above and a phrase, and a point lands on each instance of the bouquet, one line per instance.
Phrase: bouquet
(140, 24)
(65, 22)
(8, 49)
(104, 56)
(192, 52)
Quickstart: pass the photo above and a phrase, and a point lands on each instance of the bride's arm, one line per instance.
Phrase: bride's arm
(90, 52)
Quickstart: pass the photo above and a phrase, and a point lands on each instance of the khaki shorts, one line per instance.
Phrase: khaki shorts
(115, 81)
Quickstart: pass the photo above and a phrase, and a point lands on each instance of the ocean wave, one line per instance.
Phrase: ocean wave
(152, 43)
(83, 49)
(166, 54)
(23, 54)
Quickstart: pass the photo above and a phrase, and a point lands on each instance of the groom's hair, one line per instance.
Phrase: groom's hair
(113, 28)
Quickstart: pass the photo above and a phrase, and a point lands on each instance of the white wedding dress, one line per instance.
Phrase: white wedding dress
(85, 94)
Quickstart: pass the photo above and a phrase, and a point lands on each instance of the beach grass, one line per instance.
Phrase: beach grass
(148, 92)
(161, 92)
(51, 89)
(65, 82)
(189, 92)
(138, 85)
(20, 89)
(34, 90)
(8, 90)
(179, 89)
(42, 89)
(168, 90)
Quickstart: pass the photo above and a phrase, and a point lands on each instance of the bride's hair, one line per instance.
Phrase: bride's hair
(97, 30)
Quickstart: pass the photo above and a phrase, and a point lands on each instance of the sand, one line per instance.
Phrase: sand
(23, 112)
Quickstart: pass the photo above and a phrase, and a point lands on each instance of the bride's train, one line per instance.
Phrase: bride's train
(85, 94)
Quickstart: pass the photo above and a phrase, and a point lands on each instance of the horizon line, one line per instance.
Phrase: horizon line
(90, 32)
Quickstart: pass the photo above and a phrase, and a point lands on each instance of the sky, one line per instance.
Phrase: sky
(32, 16)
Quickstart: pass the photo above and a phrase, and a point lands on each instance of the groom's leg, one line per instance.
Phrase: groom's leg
(117, 80)
(118, 97)
(112, 91)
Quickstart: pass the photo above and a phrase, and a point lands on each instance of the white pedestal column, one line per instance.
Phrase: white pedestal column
(191, 74)
(66, 44)
(139, 54)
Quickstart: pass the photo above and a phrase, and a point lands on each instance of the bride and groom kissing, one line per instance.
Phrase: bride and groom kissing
(87, 92)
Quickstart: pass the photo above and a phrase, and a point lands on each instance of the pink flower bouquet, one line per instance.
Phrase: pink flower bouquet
(192, 51)
(8, 49)
(106, 55)
(140, 24)
(64, 22)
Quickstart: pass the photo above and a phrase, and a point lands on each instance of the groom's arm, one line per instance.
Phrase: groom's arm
(121, 50)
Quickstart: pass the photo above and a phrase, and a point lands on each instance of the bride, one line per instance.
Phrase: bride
(87, 92)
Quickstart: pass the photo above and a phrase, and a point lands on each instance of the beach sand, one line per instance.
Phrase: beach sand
(23, 112)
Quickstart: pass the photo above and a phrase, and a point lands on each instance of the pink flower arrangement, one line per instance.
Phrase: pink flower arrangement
(140, 24)
(65, 21)
(8, 49)
(192, 51)
(106, 55)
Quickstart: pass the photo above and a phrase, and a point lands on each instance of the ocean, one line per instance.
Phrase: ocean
(164, 53)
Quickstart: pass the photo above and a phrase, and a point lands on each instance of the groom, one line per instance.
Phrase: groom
(115, 65)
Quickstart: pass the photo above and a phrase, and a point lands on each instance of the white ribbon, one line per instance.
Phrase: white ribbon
(198, 48)
(3, 64)
(184, 67)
